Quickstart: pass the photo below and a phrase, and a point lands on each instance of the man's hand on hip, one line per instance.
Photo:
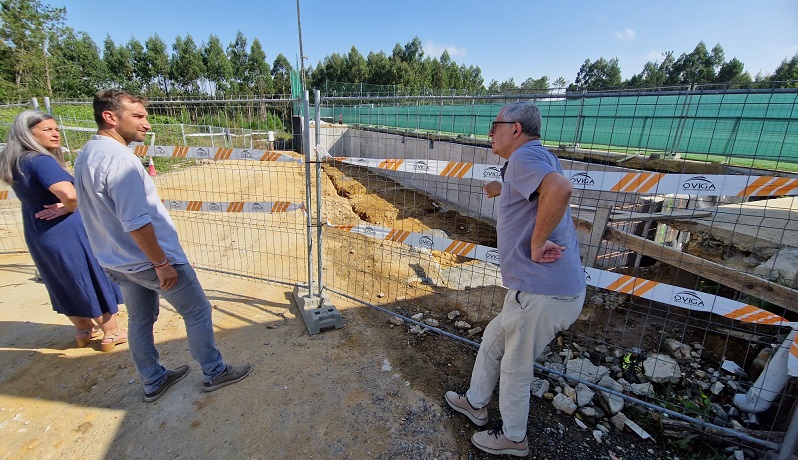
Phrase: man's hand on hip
(549, 252)
(168, 276)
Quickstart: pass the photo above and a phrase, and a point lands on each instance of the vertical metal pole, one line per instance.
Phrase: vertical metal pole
(319, 223)
(63, 132)
(301, 54)
(47, 107)
(183, 132)
(580, 121)
(308, 200)
(681, 123)
(35, 103)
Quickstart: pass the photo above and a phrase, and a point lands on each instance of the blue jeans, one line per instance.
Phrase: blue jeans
(141, 291)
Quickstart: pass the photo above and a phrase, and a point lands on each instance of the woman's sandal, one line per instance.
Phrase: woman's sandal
(84, 336)
(108, 343)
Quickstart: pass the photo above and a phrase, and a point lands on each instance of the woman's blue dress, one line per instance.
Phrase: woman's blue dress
(77, 284)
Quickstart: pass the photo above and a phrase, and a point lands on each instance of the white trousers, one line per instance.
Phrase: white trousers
(510, 344)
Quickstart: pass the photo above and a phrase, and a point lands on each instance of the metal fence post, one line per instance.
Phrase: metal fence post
(319, 222)
(308, 195)
(63, 132)
(579, 120)
(681, 123)
(318, 311)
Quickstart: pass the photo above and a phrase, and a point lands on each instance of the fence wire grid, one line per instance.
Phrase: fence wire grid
(684, 280)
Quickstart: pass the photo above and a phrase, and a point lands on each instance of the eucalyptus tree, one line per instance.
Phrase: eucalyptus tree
(600, 74)
(281, 73)
(185, 66)
(119, 62)
(158, 62)
(437, 75)
(217, 66)
(787, 73)
(473, 79)
(508, 85)
(258, 70)
(733, 71)
(238, 55)
(141, 70)
(357, 67)
(27, 29)
(401, 71)
(78, 70)
(379, 69)
(536, 84)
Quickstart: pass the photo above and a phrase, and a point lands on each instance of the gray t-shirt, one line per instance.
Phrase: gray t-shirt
(517, 211)
(116, 196)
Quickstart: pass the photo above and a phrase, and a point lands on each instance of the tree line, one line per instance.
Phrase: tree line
(41, 55)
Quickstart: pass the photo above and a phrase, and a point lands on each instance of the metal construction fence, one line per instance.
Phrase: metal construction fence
(760, 124)
(690, 308)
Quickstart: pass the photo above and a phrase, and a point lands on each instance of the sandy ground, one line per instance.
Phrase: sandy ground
(338, 394)
(368, 390)
(332, 395)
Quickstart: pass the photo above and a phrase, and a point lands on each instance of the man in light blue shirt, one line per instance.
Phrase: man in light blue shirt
(135, 240)
(541, 270)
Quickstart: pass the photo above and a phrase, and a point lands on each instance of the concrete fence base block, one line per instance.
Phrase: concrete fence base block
(317, 312)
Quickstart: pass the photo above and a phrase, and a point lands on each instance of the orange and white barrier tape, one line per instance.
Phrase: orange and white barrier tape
(233, 206)
(212, 153)
(213, 206)
(660, 292)
(7, 195)
(610, 181)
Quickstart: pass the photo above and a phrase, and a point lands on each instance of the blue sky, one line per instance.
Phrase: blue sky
(505, 38)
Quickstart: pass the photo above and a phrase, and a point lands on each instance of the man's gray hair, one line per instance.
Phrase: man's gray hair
(21, 143)
(526, 113)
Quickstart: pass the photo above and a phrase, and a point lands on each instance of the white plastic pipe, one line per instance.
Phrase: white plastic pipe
(770, 382)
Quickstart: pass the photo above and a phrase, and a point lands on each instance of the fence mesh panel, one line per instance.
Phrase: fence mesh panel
(689, 263)
(689, 275)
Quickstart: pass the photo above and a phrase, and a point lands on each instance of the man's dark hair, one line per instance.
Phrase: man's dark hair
(111, 99)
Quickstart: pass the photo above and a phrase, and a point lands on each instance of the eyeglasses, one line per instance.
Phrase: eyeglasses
(493, 125)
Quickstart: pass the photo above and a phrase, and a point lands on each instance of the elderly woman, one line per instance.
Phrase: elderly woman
(32, 163)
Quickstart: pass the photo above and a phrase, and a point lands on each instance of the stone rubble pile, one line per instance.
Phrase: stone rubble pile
(676, 375)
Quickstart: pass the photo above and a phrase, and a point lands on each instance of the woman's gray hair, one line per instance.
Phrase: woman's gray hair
(21, 143)
(526, 113)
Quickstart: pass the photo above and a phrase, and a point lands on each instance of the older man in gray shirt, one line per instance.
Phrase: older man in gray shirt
(541, 270)
(136, 242)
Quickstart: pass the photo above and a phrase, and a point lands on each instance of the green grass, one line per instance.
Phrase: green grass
(769, 165)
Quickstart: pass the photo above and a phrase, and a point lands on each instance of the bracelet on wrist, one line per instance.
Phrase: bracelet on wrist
(161, 265)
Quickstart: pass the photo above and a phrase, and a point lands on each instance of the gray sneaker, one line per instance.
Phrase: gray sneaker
(493, 441)
(230, 376)
(172, 377)
(460, 403)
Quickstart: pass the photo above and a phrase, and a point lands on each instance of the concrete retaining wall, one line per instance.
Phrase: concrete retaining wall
(463, 195)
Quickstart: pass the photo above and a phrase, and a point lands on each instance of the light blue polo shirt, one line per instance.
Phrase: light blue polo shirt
(115, 197)
(516, 214)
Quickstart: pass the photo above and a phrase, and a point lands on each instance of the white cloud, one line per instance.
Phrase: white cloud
(626, 35)
(434, 50)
